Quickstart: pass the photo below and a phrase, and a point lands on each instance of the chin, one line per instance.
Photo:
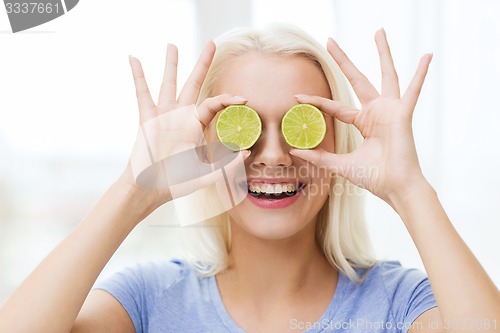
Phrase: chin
(264, 221)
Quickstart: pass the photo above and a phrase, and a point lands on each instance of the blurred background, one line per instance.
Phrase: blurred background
(68, 114)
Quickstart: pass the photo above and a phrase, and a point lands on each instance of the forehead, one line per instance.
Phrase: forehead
(270, 81)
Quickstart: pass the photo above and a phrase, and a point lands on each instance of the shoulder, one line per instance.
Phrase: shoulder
(392, 274)
(148, 290)
(391, 292)
(164, 273)
(394, 281)
(152, 276)
(147, 283)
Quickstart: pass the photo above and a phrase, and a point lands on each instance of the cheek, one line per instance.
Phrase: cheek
(320, 185)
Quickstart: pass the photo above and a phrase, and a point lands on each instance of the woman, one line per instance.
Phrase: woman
(302, 265)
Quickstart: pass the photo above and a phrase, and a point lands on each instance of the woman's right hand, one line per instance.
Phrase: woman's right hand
(55, 291)
(170, 126)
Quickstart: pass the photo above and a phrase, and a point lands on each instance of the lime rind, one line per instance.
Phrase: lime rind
(303, 126)
(238, 127)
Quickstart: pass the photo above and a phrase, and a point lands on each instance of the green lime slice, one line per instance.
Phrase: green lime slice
(238, 127)
(303, 126)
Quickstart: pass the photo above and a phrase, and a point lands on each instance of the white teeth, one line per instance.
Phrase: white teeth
(272, 188)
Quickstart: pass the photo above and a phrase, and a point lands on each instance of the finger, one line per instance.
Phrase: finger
(343, 112)
(234, 171)
(362, 87)
(207, 110)
(236, 178)
(335, 163)
(410, 97)
(144, 99)
(191, 90)
(168, 90)
(390, 82)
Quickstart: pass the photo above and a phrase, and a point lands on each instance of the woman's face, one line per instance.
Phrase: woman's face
(269, 83)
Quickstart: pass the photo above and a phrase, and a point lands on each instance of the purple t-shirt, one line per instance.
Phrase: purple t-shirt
(169, 296)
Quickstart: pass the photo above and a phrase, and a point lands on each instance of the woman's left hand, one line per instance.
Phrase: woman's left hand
(386, 163)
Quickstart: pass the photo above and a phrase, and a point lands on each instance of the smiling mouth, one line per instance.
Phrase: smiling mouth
(274, 191)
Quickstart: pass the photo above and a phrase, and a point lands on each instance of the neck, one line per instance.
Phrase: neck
(285, 268)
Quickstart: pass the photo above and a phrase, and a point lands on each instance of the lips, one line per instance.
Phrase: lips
(274, 193)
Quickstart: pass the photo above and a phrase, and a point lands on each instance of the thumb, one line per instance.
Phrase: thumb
(335, 163)
(228, 171)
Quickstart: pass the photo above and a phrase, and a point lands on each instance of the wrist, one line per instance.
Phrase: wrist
(140, 202)
(415, 191)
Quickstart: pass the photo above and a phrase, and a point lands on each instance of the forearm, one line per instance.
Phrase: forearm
(51, 297)
(461, 286)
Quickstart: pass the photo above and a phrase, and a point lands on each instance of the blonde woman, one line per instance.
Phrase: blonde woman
(293, 263)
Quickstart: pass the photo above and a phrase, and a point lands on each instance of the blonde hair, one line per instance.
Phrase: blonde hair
(340, 231)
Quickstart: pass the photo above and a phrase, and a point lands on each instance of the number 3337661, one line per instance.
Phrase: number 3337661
(31, 7)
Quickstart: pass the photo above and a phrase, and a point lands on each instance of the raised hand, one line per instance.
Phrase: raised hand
(173, 125)
(386, 163)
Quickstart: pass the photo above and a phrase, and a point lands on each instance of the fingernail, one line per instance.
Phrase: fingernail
(245, 153)
(243, 99)
(382, 31)
(300, 153)
(332, 41)
(299, 96)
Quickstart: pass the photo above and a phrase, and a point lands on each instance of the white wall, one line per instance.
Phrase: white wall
(68, 113)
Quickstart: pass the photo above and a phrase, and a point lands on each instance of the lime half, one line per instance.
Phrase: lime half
(303, 126)
(238, 127)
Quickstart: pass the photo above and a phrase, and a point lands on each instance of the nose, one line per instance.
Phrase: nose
(271, 150)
